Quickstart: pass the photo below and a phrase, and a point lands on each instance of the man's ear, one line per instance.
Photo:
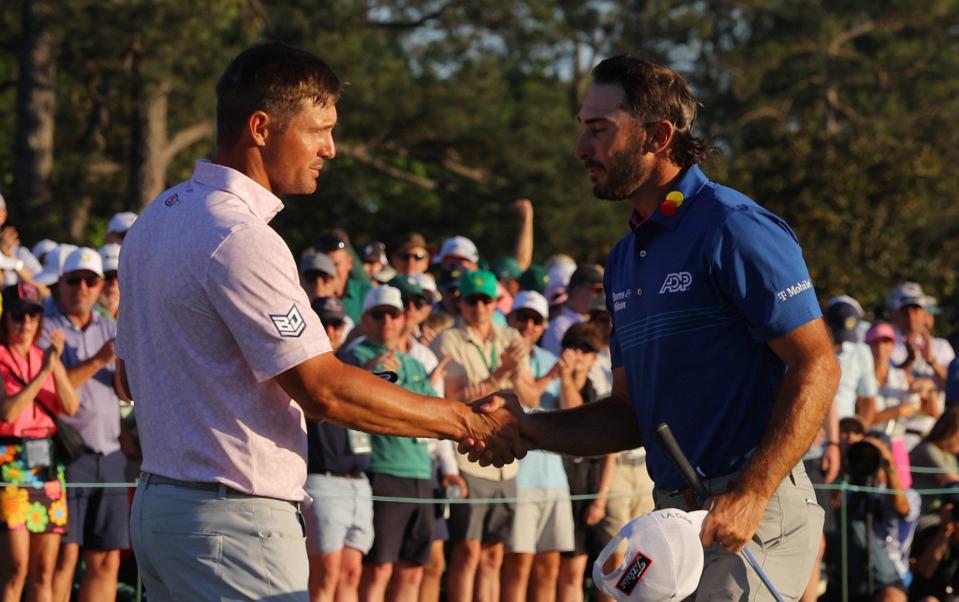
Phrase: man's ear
(259, 125)
(659, 136)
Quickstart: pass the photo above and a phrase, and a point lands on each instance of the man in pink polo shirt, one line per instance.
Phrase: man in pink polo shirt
(216, 336)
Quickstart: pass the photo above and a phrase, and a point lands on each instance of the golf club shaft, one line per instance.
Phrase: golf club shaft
(671, 446)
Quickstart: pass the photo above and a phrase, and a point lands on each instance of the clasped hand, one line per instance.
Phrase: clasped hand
(495, 430)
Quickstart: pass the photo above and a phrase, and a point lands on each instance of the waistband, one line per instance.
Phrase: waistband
(719, 485)
(149, 478)
(631, 460)
(344, 475)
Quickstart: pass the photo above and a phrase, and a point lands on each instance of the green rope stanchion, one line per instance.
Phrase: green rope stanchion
(845, 544)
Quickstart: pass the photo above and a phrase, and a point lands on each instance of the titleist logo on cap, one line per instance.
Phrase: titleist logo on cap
(634, 573)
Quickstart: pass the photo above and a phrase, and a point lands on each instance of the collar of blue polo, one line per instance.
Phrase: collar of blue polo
(690, 182)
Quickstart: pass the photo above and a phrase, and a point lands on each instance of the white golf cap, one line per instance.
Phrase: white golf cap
(457, 246)
(86, 259)
(110, 254)
(906, 294)
(558, 281)
(383, 295)
(121, 222)
(533, 301)
(663, 561)
(53, 264)
(427, 283)
(43, 247)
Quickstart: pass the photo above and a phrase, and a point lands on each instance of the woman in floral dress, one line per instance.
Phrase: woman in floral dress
(33, 508)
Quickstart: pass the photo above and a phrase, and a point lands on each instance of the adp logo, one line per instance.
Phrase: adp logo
(676, 282)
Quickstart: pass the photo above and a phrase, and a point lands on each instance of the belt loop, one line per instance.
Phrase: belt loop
(145, 478)
(221, 491)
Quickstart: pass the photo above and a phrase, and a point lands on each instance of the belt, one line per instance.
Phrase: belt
(631, 461)
(162, 480)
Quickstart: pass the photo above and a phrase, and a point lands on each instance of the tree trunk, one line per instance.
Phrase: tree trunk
(36, 106)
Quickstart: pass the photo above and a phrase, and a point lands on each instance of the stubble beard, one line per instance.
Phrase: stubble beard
(624, 173)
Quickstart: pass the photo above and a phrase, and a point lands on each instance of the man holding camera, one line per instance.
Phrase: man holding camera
(880, 525)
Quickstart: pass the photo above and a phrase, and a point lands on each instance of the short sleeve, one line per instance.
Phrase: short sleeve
(758, 265)
(253, 285)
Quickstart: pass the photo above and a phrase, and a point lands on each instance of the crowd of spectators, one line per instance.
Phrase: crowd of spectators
(448, 321)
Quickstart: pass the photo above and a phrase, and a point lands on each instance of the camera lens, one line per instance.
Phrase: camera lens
(863, 460)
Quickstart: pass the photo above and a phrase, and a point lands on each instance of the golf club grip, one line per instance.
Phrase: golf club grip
(672, 448)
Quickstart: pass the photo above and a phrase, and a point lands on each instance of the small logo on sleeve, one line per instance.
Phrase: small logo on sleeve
(791, 291)
(676, 282)
(290, 324)
(634, 573)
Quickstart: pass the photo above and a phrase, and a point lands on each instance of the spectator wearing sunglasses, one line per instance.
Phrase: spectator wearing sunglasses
(399, 466)
(351, 286)
(543, 523)
(416, 307)
(98, 516)
(33, 515)
(108, 304)
(409, 254)
(484, 357)
(585, 286)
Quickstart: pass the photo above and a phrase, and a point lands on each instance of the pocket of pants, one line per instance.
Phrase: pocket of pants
(187, 553)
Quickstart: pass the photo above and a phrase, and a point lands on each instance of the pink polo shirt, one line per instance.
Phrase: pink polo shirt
(17, 372)
(211, 311)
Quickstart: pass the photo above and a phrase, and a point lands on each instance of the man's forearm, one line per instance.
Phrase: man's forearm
(357, 399)
(602, 427)
(801, 406)
(84, 371)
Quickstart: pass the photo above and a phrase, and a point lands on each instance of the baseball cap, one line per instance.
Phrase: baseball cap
(406, 241)
(842, 319)
(558, 281)
(506, 268)
(880, 330)
(110, 254)
(849, 300)
(450, 276)
(18, 298)
(84, 258)
(43, 247)
(329, 309)
(428, 284)
(53, 264)
(331, 240)
(535, 278)
(533, 301)
(457, 246)
(664, 558)
(408, 287)
(905, 294)
(586, 275)
(317, 262)
(121, 222)
(479, 282)
(374, 251)
(383, 295)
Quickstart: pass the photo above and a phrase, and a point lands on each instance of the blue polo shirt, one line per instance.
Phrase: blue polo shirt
(694, 298)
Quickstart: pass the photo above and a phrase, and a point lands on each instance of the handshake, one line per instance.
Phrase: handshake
(498, 431)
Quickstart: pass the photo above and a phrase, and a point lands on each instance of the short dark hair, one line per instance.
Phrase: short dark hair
(274, 78)
(655, 92)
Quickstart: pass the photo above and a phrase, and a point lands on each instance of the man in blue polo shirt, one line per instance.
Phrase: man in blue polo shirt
(716, 331)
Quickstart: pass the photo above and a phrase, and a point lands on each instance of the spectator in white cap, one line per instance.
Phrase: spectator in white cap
(53, 266)
(458, 249)
(399, 466)
(43, 247)
(16, 262)
(917, 351)
(118, 226)
(98, 516)
(557, 282)
(109, 302)
(543, 522)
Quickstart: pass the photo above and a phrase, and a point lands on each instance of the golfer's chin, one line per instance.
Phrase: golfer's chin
(602, 193)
